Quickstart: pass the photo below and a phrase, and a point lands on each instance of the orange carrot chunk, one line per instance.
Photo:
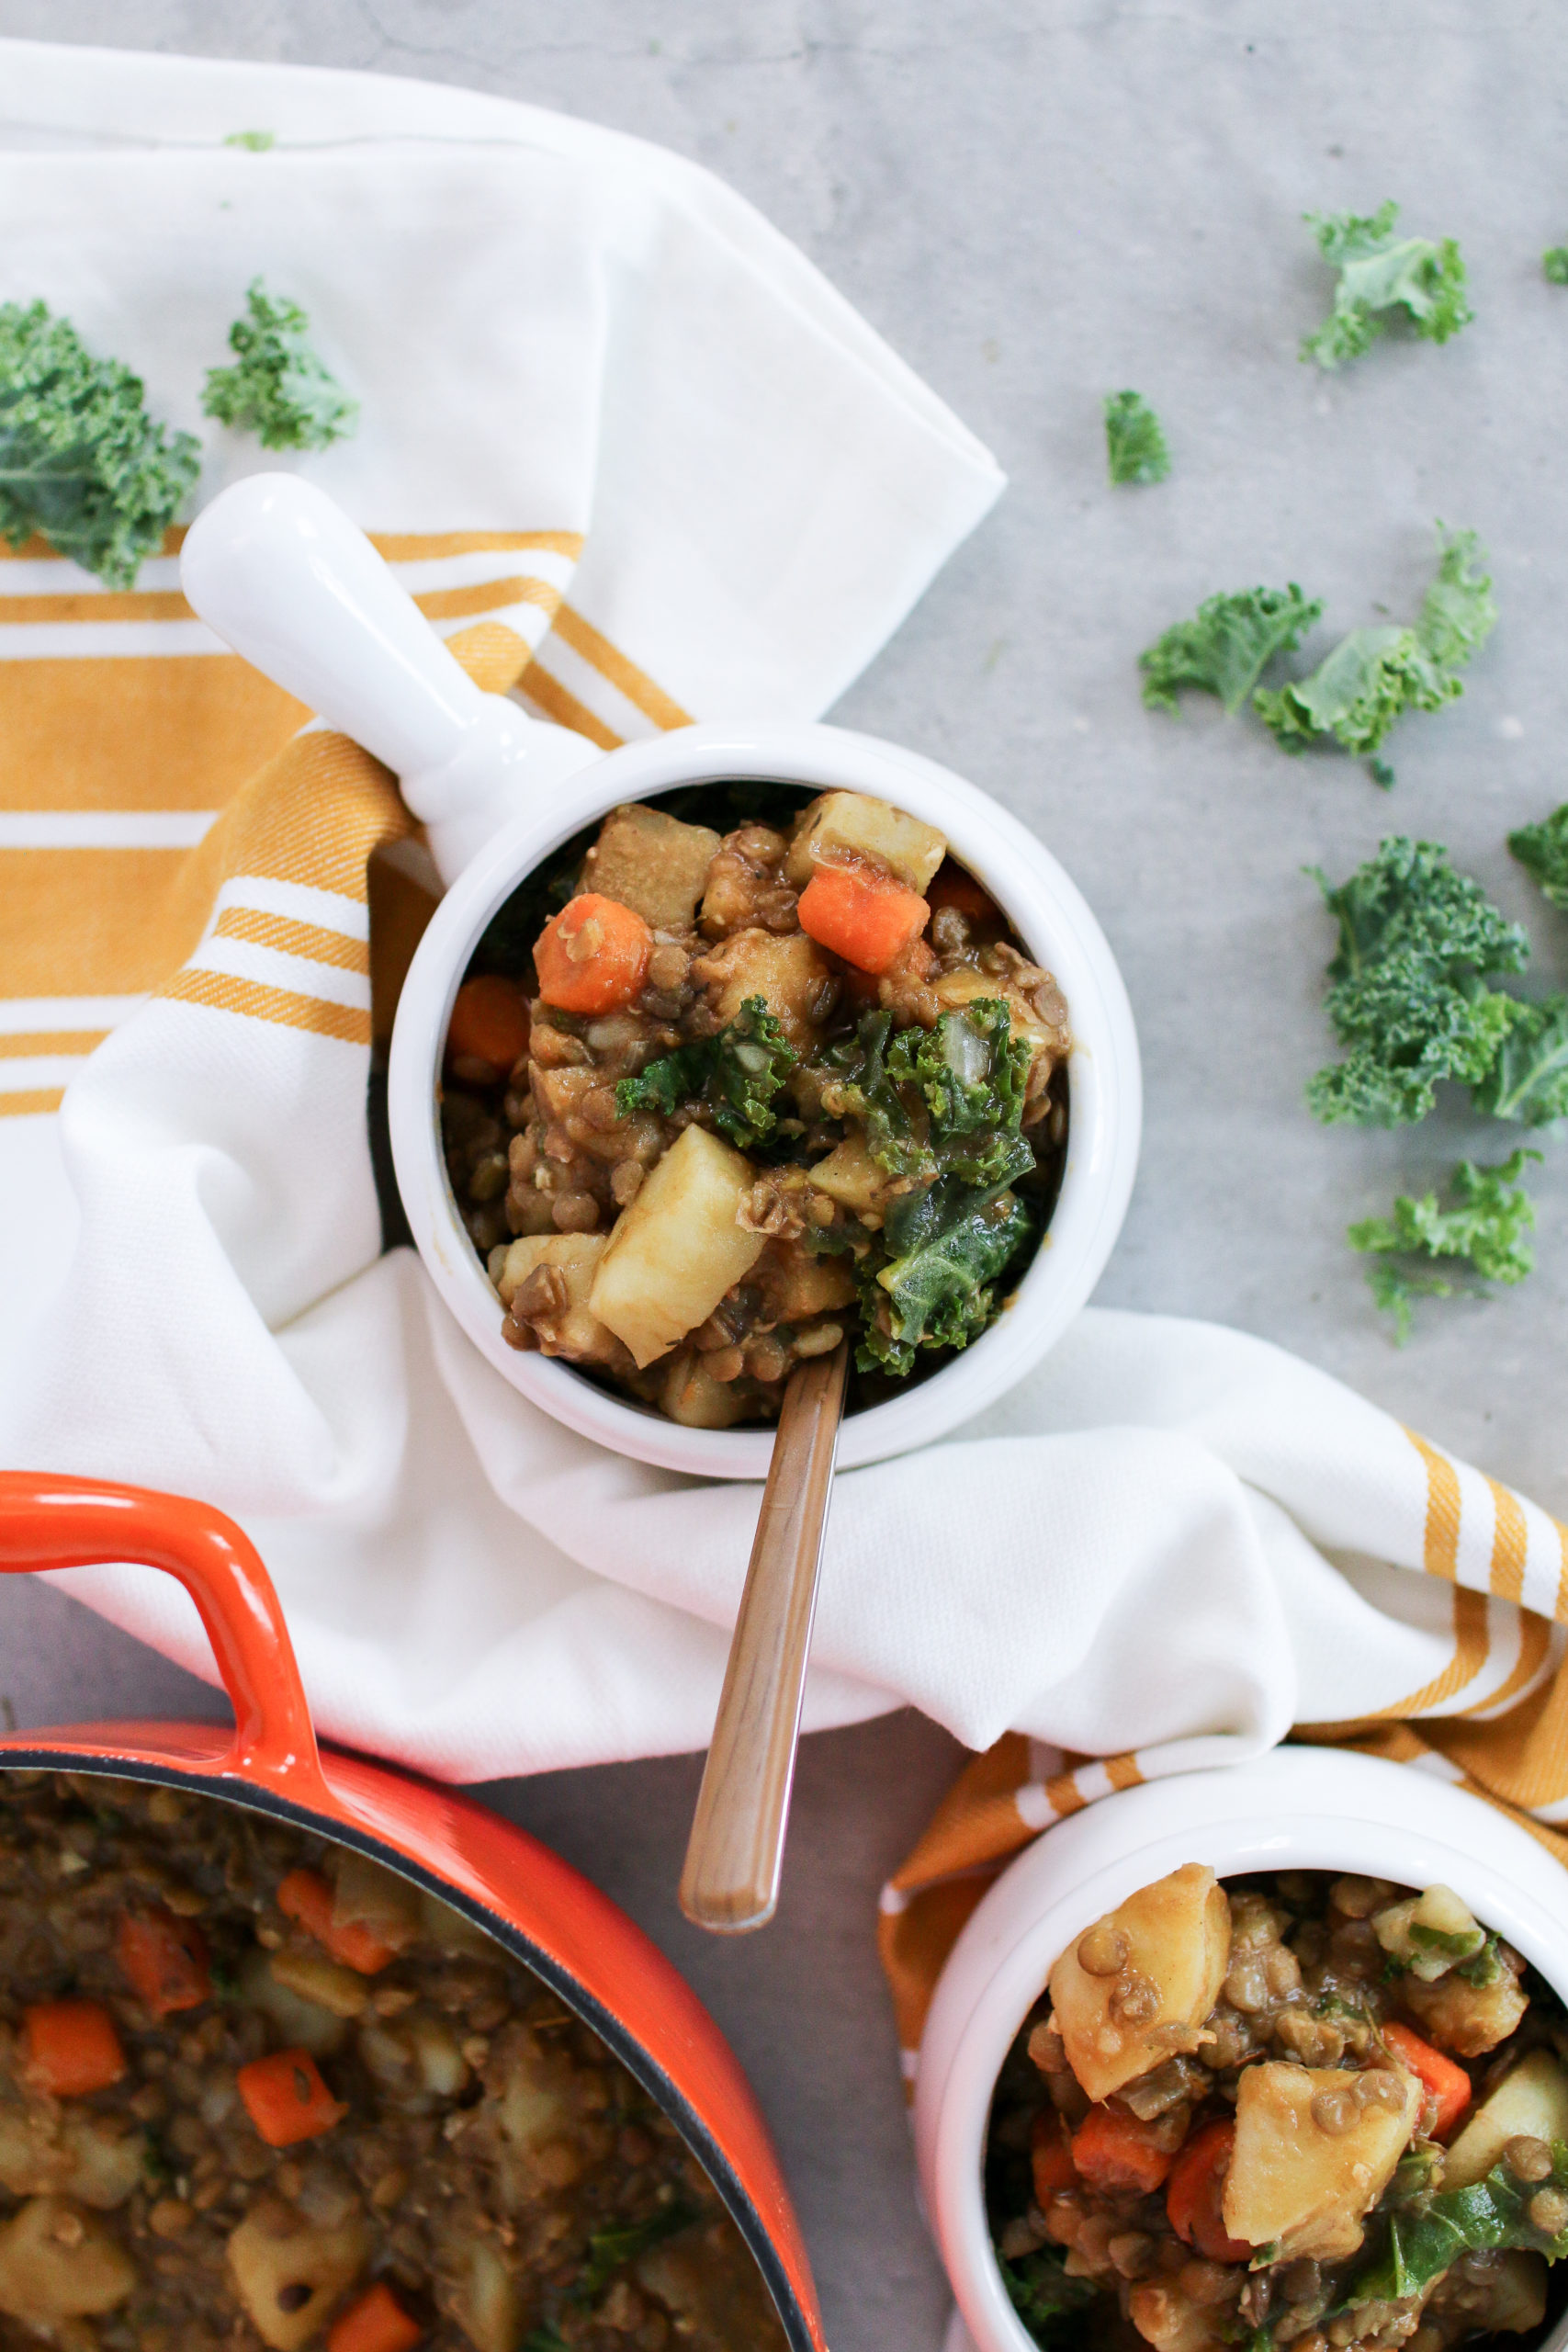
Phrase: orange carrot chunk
(1195, 2190)
(163, 1960)
(1113, 2152)
(592, 957)
(70, 2048)
(305, 1895)
(287, 2099)
(863, 915)
(951, 886)
(1050, 2157)
(374, 2322)
(1448, 2084)
(489, 1024)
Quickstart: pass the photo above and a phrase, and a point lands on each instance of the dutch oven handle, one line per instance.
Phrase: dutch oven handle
(48, 1521)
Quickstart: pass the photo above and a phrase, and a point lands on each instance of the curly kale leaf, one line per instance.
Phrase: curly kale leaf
(1381, 274)
(609, 2250)
(1427, 2239)
(1484, 1227)
(943, 1101)
(1042, 2295)
(1225, 649)
(279, 388)
(1542, 851)
(1409, 998)
(1374, 675)
(1554, 265)
(1529, 1079)
(1134, 442)
(81, 460)
(733, 1075)
(944, 1246)
(969, 1073)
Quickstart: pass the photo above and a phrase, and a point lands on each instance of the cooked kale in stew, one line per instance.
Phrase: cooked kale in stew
(713, 1100)
(255, 2089)
(1294, 2111)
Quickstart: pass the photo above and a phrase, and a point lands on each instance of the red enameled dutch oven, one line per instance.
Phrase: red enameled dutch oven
(573, 1936)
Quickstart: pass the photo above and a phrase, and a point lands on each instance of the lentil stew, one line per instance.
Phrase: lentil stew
(256, 2090)
(1296, 2113)
(743, 1071)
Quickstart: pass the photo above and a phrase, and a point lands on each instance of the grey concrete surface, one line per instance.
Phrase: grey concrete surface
(1038, 201)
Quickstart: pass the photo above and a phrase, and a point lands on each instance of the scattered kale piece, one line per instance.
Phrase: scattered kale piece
(1483, 1967)
(1542, 851)
(1409, 999)
(1224, 648)
(1134, 442)
(734, 1075)
(1427, 2239)
(278, 387)
(1485, 1228)
(81, 460)
(543, 2339)
(1374, 675)
(258, 142)
(1529, 1079)
(1554, 265)
(1043, 2296)
(1381, 274)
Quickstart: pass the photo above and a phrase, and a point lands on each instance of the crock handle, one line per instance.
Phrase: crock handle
(278, 569)
(49, 1521)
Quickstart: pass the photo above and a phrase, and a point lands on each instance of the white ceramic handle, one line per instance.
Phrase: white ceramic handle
(276, 568)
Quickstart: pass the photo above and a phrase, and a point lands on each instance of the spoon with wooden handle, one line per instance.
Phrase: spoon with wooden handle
(730, 1882)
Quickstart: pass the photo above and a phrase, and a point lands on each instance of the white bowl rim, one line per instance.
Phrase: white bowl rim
(1050, 917)
(1294, 1808)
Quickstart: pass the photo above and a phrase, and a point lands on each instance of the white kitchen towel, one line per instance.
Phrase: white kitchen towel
(620, 437)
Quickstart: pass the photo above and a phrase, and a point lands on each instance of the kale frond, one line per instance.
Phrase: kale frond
(1542, 851)
(1484, 1227)
(1554, 265)
(733, 1076)
(1134, 441)
(1374, 675)
(1042, 2295)
(944, 1246)
(278, 387)
(1424, 2241)
(81, 461)
(1408, 995)
(1379, 275)
(969, 1072)
(1225, 649)
(1529, 1079)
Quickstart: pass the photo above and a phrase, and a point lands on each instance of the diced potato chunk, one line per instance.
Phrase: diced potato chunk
(1530, 2103)
(1171, 2322)
(272, 2263)
(652, 863)
(300, 2022)
(1315, 2150)
(1512, 2295)
(108, 2159)
(59, 2263)
(694, 1397)
(486, 2306)
(787, 974)
(678, 1247)
(568, 1326)
(1156, 1965)
(316, 1978)
(1467, 2018)
(844, 825)
(850, 1176)
(797, 1285)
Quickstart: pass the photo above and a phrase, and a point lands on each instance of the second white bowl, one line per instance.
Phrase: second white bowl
(1049, 915)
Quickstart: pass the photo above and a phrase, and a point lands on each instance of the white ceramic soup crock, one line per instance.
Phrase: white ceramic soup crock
(281, 573)
(1050, 917)
(1299, 1808)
